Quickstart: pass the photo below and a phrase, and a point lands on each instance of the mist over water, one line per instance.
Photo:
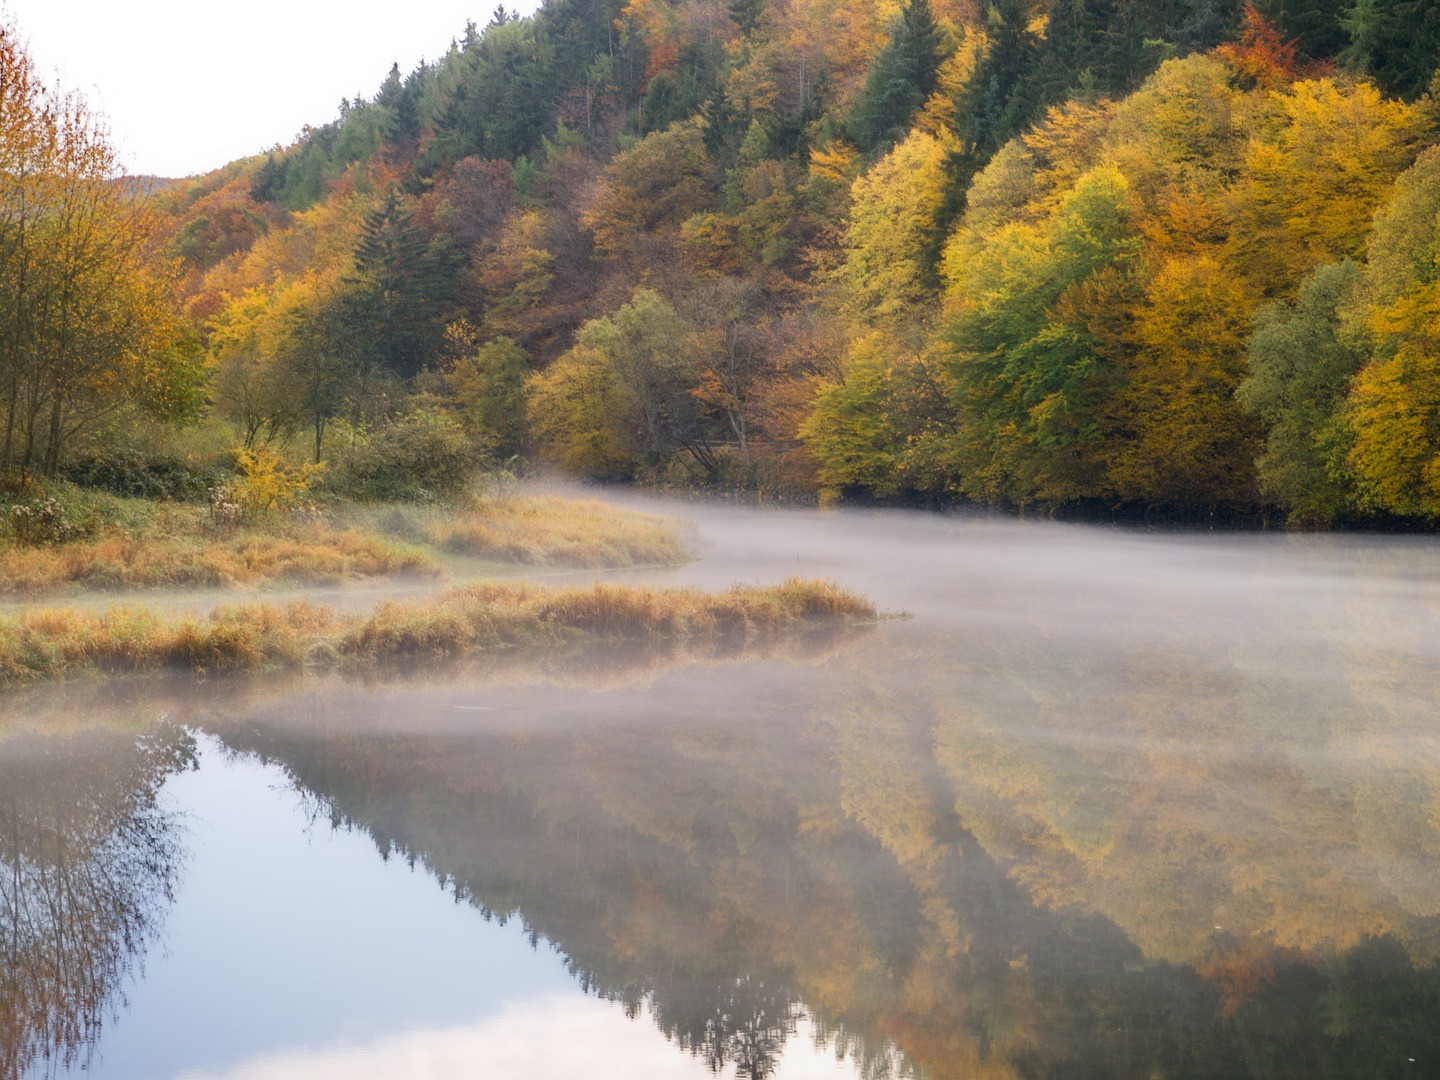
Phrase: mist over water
(1107, 804)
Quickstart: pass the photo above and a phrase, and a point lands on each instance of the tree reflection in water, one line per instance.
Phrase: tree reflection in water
(88, 867)
(996, 854)
(1009, 862)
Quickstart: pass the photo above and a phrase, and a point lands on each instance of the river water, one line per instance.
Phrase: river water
(1104, 804)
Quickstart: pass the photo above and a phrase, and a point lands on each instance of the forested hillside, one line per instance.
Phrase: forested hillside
(1050, 254)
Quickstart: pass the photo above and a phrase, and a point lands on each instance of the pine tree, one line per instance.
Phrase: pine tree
(269, 181)
(901, 77)
(1395, 42)
(401, 287)
(989, 111)
(746, 14)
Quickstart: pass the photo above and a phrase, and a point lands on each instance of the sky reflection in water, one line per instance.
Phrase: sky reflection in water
(1110, 805)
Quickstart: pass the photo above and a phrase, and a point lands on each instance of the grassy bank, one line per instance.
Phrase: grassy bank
(315, 554)
(98, 542)
(50, 643)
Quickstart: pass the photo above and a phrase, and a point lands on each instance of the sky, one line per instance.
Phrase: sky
(189, 86)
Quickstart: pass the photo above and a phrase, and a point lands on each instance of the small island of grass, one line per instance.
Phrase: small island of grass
(51, 643)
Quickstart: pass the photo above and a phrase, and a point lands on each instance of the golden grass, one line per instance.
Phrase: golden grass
(546, 531)
(177, 549)
(315, 555)
(47, 643)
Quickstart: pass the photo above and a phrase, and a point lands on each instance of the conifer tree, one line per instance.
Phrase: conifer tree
(901, 77)
(269, 181)
(746, 14)
(1395, 42)
(402, 285)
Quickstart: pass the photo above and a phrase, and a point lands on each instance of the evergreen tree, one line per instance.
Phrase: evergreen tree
(746, 14)
(986, 109)
(402, 287)
(903, 74)
(1395, 42)
(269, 181)
(1314, 25)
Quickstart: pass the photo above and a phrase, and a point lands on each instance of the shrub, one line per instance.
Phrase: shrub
(266, 485)
(45, 512)
(133, 474)
(422, 455)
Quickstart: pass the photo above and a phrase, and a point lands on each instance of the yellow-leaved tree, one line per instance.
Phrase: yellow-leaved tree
(1186, 439)
(1394, 405)
(1313, 177)
(88, 324)
(650, 189)
(891, 235)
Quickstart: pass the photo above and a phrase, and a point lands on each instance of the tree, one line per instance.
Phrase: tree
(1395, 42)
(847, 429)
(1394, 406)
(1186, 440)
(1312, 180)
(488, 386)
(575, 410)
(1027, 380)
(894, 215)
(402, 286)
(650, 188)
(1300, 372)
(1261, 58)
(904, 73)
(316, 349)
(87, 325)
(249, 386)
(746, 14)
(724, 352)
(622, 393)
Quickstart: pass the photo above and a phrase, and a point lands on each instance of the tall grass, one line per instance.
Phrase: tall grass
(138, 544)
(48, 643)
(539, 531)
(315, 555)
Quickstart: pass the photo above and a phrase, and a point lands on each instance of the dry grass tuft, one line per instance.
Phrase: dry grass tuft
(245, 559)
(558, 532)
(47, 643)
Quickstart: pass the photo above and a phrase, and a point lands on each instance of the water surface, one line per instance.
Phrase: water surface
(1109, 804)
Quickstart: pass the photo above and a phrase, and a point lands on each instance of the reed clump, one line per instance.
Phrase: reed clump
(49, 643)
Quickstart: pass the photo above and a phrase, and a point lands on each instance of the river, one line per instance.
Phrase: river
(1103, 803)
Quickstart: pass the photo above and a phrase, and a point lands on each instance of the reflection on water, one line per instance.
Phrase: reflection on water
(89, 863)
(1109, 806)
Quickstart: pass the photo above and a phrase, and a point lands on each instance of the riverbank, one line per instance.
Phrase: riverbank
(111, 544)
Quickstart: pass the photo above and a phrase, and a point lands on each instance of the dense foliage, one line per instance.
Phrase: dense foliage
(1171, 255)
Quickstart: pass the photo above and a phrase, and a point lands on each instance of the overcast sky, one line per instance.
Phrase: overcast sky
(188, 86)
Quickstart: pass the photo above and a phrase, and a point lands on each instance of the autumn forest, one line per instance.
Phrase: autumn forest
(1056, 256)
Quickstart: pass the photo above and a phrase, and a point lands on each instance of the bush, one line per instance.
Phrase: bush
(44, 512)
(137, 475)
(266, 487)
(489, 389)
(422, 455)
